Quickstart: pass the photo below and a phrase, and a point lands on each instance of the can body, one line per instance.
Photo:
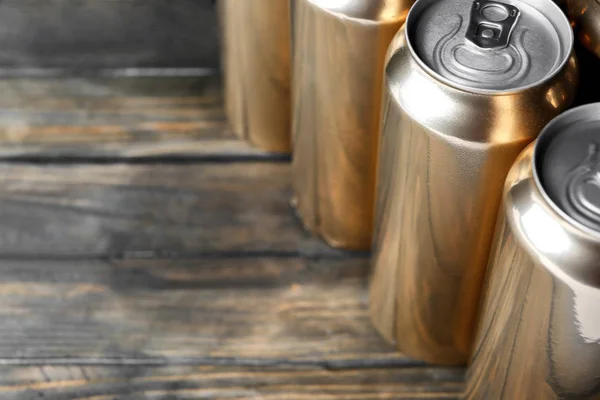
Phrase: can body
(585, 16)
(539, 331)
(256, 69)
(444, 155)
(589, 65)
(338, 63)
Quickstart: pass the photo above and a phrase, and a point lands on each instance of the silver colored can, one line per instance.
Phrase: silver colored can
(339, 51)
(539, 333)
(467, 86)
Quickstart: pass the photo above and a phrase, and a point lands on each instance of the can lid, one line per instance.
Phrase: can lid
(489, 45)
(567, 164)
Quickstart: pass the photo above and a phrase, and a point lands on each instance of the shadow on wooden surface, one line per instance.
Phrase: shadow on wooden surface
(90, 34)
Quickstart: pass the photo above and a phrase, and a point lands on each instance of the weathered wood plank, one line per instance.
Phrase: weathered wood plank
(90, 34)
(156, 210)
(181, 382)
(253, 312)
(124, 118)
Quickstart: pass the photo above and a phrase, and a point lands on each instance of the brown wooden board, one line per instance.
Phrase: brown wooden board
(206, 328)
(75, 35)
(155, 210)
(143, 118)
(261, 312)
(190, 382)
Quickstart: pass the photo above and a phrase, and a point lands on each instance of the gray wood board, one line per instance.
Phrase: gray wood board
(154, 210)
(215, 327)
(188, 382)
(210, 311)
(91, 34)
(105, 119)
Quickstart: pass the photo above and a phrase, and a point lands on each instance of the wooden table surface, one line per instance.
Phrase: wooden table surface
(147, 253)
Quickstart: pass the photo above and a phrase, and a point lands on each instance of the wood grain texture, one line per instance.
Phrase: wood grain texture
(126, 118)
(262, 312)
(150, 210)
(185, 382)
(91, 34)
(267, 328)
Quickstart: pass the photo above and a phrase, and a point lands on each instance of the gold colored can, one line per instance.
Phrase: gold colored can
(468, 85)
(539, 331)
(585, 17)
(339, 51)
(255, 41)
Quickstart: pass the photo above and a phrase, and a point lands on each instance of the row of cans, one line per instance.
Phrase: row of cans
(438, 134)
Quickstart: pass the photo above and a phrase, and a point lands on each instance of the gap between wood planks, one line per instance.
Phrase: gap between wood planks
(330, 365)
(178, 159)
(98, 382)
(175, 255)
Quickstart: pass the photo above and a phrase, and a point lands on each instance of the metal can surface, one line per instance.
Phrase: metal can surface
(255, 41)
(339, 51)
(539, 331)
(468, 85)
(585, 17)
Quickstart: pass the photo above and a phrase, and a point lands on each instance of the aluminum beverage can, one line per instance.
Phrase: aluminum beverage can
(339, 51)
(539, 332)
(255, 58)
(585, 18)
(468, 85)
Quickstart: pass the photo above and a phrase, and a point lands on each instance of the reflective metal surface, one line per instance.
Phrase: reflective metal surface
(256, 68)
(491, 45)
(585, 16)
(444, 156)
(491, 24)
(339, 51)
(569, 168)
(539, 332)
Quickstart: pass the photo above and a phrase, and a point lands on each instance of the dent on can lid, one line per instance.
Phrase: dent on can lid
(490, 45)
(567, 163)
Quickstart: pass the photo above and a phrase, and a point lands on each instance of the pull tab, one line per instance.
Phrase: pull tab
(491, 24)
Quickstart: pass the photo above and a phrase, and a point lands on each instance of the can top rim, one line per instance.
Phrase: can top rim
(420, 5)
(372, 12)
(545, 137)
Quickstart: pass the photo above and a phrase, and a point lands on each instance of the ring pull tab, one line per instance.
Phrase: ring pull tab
(491, 24)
